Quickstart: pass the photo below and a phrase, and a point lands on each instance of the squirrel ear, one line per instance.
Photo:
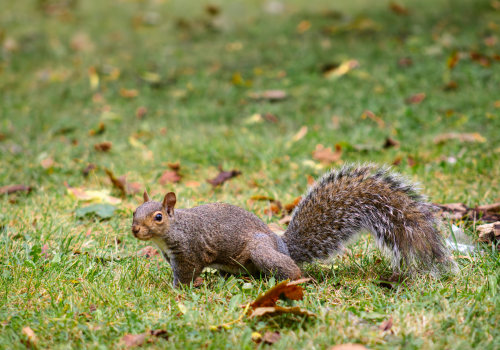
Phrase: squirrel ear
(145, 196)
(169, 203)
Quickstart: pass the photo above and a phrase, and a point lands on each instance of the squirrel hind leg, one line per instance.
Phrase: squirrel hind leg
(271, 262)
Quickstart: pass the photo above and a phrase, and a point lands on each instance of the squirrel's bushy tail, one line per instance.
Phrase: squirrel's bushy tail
(352, 199)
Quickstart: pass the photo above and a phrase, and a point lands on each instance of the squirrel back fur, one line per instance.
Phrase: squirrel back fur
(368, 198)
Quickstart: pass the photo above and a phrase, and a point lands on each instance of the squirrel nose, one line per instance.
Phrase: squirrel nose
(135, 229)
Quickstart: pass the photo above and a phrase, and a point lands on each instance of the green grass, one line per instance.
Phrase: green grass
(197, 116)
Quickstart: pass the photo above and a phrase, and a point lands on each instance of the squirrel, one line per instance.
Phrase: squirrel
(336, 208)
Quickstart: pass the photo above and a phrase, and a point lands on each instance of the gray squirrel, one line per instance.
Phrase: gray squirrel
(336, 208)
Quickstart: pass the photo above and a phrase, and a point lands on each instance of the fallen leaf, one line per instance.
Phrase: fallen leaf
(269, 95)
(451, 85)
(31, 336)
(256, 337)
(47, 163)
(170, 176)
(342, 69)
(91, 195)
(198, 282)
(490, 40)
(348, 346)
(212, 10)
(291, 206)
(411, 161)
(480, 58)
(453, 60)
(192, 184)
(284, 289)
(303, 27)
(279, 310)
(300, 134)
(148, 252)
(93, 78)
(121, 184)
(398, 9)
(103, 146)
(415, 99)
(81, 42)
(90, 167)
(389, 143)
(270, 338)
(370, 115)
(405, 62)
(462, 137)
(129, 93)
(494, 207)
(386, 325)
(103, 210)
(223, 176)
(489, 233)
(272, 118)
(273, 209)
(135, 340)
(141, 112)
(326, 155)
(260, 197)
(9, 189)
(99, 130)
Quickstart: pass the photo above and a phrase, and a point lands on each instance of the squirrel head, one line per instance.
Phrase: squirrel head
(153, 219)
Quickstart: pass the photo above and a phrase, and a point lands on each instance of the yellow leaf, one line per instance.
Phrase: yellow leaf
(254, 119)
(93, 78)
(343, 69)
(92, 196)
(300, 134)
(182, 308)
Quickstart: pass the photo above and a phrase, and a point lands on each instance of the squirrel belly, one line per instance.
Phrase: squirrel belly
(368, 198)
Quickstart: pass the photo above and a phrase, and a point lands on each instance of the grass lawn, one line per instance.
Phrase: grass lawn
(172, 81)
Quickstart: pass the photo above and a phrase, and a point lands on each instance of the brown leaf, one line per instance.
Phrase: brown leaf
(453, 60)
(398, 9)
(47, 163)
(390, 142)
(174, 166)
(212, 10)
(411, 161)
(386, 325)
(370, 115)
(451, 85)
(169, 176)
(326, 155)
(480, 58)
(303, 26)
(405, 62)
(489, 232)
(269, 95)
(279, 310)
(15, 188)
(129, 93)
(291, 206)
(81, 42)
(103, 146)
(494, 207)
(286, 289)
(271, 337)
(348, 347)
(141, 112)
(90, 167)
(453, 211)
(259, 197)
(415, 99)
(32, 339)
(148, 252)
(99, 130)
(462, 137)
(272, 118)
(198, 282)
(122, 185)
(273, 209)
(134, 340)
(223, 176)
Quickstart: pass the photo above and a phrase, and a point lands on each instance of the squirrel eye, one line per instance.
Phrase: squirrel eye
(158, 217)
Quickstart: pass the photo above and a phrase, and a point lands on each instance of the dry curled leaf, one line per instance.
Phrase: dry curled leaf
(489, 233)
(326, 155)
(169, 176)
(103, 146)
(122, 185)
(134, 340)
(141, 112)
(398, 9)
(494, 207)
(269, 95)
(286, 289)
(405, 62)
(300, 134)
(415, 99)
(291, 206)
(386, 325)
(31, 337)
(342, 69)
(372, 116)
(390, 142)
(223, 176)
(453, 60)
(90, 167)
(129, 93)
(15, 188)
(462, 137)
